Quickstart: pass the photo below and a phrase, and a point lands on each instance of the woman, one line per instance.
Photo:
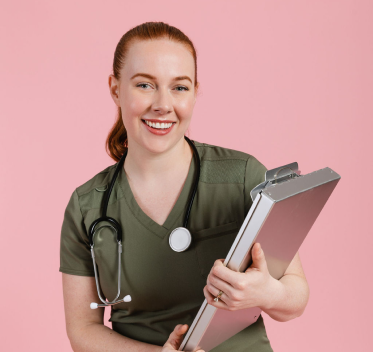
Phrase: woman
(154, 84)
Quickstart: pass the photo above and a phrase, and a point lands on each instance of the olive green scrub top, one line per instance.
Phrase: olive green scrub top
(166, 286)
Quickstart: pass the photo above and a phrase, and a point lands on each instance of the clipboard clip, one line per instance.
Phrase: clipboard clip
(275, 176)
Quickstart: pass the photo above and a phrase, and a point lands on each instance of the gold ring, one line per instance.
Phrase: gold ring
(218, 296)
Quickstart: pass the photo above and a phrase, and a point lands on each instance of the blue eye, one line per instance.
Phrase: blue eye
(185, 88)
(142, 84)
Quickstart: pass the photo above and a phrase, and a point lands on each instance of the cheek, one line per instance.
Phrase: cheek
(184, 109)
(135, 104)
(133, 107)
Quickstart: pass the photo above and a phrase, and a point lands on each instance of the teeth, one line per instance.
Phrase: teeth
(158, 125)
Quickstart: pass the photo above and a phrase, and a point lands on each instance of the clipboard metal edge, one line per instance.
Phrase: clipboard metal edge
(227, 258)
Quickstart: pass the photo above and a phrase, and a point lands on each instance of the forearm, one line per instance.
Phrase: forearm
(98, 338)
(288, 298)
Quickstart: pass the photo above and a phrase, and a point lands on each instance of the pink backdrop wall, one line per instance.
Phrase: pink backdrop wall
(282, 80)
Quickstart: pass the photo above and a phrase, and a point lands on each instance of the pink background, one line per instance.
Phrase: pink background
(282, 80)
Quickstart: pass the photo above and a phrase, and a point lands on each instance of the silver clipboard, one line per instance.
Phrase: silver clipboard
(285, 206)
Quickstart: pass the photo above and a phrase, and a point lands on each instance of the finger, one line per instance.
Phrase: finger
(176, 337)
(210, 300)
(212, 289)
(258, 259)
(219, 284)
(226, 274)
(214, 292)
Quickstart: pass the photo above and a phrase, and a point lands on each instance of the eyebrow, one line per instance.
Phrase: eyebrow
(179, 78)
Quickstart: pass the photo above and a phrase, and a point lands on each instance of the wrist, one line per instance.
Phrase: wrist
(273, 295)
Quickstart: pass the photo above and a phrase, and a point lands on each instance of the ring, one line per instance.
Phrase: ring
(218, 296)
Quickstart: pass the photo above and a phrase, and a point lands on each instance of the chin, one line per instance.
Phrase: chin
(160, 144)
(156, 146)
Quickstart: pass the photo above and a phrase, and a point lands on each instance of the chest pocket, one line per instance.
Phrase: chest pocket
(213, 243)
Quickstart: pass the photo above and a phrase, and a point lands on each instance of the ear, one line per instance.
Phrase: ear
(114, 89)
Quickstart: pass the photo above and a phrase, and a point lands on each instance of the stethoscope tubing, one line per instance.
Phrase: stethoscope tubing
(117, 228)
(114, 301)
(195, 185)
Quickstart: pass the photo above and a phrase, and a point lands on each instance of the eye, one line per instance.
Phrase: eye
(184, 88)
(142, 84)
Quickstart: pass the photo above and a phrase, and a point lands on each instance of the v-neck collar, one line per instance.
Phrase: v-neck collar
(177, 211)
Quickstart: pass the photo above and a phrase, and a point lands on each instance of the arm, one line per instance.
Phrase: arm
(282, 300)
(289, 294)
(85, 327)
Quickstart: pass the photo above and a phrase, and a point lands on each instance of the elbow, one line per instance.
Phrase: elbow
(305, 294)
(82, 336)
(74, 347)
(294, 310)
(73, 341)
(78, 343)
(76, 337)
(297, 313)
(306, 297)
(288, 317)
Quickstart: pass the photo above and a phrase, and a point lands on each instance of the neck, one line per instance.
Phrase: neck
(145, 165)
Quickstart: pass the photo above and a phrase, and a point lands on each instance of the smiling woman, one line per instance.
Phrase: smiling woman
(154, 85)
(157, 88)
(160, 71)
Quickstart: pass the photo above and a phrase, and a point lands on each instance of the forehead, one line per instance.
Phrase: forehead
(162, 58)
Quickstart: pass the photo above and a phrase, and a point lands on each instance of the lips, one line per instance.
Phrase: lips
(157, 120)
(156, 127)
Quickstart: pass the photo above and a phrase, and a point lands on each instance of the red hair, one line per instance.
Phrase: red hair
(116, 142)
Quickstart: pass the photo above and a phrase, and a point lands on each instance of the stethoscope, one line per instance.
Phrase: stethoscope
(179, 239)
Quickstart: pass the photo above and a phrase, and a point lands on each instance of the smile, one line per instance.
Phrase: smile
(158, 125)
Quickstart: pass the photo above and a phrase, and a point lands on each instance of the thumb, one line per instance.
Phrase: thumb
(258, 258)
(176, 337)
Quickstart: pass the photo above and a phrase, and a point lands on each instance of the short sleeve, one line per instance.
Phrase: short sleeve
(75, 254)
(254, 174)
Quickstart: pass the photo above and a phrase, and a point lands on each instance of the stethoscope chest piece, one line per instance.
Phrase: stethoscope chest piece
(180, 239)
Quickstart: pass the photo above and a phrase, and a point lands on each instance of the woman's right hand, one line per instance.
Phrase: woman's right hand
(176, 337)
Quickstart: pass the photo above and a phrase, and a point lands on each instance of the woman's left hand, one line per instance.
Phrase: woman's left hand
(253, 288)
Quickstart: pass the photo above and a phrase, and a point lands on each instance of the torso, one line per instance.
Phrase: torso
(166, 286)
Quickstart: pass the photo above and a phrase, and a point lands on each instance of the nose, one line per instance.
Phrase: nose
(162, 104)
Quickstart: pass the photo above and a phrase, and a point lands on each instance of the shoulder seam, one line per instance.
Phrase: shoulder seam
(80, 211)
(98, 185)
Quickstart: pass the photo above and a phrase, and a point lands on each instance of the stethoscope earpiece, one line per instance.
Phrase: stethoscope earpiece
(94, 305)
